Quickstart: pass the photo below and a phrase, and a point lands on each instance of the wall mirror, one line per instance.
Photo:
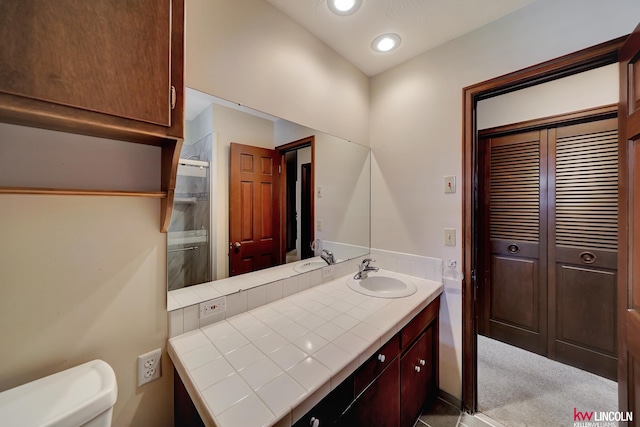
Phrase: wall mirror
(255, 193)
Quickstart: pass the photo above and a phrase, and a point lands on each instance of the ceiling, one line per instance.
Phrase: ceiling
(421, 24)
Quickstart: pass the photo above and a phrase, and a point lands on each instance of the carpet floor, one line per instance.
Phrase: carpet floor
(519, 388)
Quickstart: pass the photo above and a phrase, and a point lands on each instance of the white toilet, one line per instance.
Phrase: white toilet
(80, 396)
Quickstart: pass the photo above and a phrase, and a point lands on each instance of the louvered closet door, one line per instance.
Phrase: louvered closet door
(515, 296)
(583, 250)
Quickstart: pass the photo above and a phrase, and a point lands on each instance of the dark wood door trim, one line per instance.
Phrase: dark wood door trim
(628, 229)
(309, 141)
(583, 60)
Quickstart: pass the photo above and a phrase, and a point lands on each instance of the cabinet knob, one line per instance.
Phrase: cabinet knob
(314, 422)
(417, 368)
(382, 358)
(423, 362)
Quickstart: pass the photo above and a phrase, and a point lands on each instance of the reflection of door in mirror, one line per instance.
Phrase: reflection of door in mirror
(306, 211)
(189, 240)
(299, 201)
(254, 208)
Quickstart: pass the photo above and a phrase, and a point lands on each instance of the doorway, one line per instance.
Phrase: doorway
(587, 59)
(298, 183)
(549, 197)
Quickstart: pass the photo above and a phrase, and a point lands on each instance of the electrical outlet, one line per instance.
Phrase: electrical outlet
(213, 306)
(449, 236)
(149, 366)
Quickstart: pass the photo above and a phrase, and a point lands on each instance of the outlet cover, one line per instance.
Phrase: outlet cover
(149, 366)
(213, 306)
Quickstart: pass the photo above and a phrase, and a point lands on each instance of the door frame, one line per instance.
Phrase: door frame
(309, 141)
(577, 62)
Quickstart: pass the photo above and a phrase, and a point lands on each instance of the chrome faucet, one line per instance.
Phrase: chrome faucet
(328, 257)
(364, 268)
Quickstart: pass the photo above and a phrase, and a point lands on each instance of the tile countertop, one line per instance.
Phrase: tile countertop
(270, 365)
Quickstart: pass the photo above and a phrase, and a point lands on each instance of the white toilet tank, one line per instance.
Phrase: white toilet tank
(80, 396)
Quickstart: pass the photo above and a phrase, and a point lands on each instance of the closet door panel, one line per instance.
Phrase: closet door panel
(516, 292)
(584, 235)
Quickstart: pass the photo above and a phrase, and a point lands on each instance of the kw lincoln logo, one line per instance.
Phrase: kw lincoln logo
(600, 419)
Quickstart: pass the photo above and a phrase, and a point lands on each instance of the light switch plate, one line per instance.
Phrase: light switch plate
(450, 184)
(449, 236)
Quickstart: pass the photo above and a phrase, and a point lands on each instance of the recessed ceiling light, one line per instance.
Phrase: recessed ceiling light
(343, 7)
(386, 42)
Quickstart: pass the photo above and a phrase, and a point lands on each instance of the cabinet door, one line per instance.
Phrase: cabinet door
(105, 56)
(330, 408)
(416, 377)
(379, 404)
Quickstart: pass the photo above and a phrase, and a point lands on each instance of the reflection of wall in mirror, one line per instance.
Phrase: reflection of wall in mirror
(342, 169)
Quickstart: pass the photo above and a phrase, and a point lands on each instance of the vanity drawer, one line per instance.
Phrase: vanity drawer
(376, 364)
(414, 328)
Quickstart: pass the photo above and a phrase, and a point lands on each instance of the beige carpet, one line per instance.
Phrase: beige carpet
(518, 388)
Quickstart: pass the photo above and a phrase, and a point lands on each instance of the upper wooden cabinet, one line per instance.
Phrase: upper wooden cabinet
(108, 68)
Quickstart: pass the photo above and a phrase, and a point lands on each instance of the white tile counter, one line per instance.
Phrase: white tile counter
(272, 364)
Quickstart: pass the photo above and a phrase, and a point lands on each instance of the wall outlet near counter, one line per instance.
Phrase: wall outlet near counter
(149, 366)
(213, 306)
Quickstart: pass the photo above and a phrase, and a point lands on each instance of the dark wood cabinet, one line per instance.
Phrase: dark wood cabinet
(393, 386)
(330, 409)
(107, 68)
(417, 377)
(379, 403)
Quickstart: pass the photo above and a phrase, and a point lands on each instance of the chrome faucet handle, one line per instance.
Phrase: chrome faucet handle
(367, 261)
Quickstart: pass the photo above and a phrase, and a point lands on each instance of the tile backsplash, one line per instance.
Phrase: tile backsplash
(184, 304)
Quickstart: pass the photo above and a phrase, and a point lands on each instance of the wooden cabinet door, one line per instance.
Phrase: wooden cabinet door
(416, 378)
(379, 403)
(106, 56)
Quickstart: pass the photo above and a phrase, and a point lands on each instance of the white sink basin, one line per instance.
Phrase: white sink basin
(383, 285)
(308, 265)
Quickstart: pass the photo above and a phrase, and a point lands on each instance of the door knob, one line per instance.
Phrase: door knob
(381, 358)
(314, 422)
(423, 362)
(417, 368)
(237, 245)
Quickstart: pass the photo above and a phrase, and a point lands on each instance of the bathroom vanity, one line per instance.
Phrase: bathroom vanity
(325, 356)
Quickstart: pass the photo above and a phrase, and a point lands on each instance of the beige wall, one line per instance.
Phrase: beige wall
(590, 89)
(83, 278)
(247, 51)
(416, 122)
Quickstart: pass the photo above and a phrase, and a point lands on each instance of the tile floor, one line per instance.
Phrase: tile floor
(442, 414)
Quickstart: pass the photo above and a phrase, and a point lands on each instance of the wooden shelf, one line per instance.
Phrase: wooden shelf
(82, 88)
